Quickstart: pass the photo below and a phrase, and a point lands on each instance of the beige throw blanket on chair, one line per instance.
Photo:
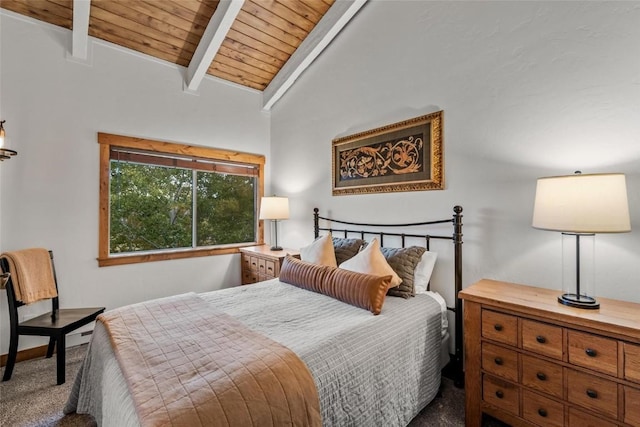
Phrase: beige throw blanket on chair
(188, 365)
(31, 274)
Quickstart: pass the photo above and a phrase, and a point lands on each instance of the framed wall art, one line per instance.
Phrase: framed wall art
(404, 156)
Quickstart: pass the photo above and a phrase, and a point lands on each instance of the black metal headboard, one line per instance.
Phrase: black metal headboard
(455, 237)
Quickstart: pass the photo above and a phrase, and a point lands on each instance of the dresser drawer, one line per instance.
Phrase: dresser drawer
(500, 361)
(593, 352)
(632, 406)
(542, 338)
(500, 327)
(593, 393)
(500, 394)
(542, 375)
(632, 362)
(541, 410)
(578, 418)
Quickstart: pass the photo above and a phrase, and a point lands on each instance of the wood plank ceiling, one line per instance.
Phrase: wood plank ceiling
(262, 38)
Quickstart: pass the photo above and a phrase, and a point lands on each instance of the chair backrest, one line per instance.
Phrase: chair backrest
(11, 295)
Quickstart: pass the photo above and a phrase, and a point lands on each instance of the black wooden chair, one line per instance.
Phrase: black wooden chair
(56, 325)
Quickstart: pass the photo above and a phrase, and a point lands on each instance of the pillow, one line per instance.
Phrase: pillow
(346, 248)
(422, 275)
(371, 261)
(360, 290)
(404, 262)
(303, 274)
(320, 251)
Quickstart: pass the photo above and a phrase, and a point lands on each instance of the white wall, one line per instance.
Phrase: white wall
(49, 192)
(528, 89)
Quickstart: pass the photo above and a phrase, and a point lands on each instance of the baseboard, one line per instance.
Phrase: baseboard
(30, 353)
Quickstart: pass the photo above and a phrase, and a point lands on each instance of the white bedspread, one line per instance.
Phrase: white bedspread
(369, 370)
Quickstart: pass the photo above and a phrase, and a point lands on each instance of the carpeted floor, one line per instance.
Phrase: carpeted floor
(32, 398)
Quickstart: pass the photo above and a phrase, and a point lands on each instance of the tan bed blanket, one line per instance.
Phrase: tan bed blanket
(187, 365)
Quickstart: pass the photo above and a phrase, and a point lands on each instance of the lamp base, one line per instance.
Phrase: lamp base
(276, 248)
(579, 301)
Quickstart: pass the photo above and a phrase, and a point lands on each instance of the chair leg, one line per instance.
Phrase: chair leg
(11, 357)
(52, 344)
(60, 358)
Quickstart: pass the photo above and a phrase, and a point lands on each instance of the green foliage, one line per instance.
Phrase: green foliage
(225, 209)
(151, 208)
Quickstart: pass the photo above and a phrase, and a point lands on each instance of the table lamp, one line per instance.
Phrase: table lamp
(580, 206)
(275, 209)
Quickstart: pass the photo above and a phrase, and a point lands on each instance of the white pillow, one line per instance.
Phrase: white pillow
(371, 261)
(422, 273)
(320, 251)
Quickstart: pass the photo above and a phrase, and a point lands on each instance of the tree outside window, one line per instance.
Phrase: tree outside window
(166, 201)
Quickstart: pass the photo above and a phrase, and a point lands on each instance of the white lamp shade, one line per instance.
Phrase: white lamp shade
(274, 208)
(589, 203)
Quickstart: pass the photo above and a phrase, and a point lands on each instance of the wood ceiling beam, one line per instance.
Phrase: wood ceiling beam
(211, 40)
(318, 39)
(80, 35)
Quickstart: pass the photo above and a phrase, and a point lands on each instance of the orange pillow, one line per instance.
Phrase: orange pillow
(358, 289)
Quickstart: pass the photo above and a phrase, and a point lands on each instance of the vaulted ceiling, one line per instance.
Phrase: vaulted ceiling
(261, 44)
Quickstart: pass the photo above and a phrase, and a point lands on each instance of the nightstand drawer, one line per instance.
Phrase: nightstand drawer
(632, 362)
(246, 262)
(500, 361)
(500, 394)
(270, 268)
(542, 338)
(632, 406)
(249, 277)
(578, 418)
(593, 393)
(500, 327)
(542, 375)
(593, 352)
(541, 410)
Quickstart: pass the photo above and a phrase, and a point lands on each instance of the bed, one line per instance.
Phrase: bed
(367, 369)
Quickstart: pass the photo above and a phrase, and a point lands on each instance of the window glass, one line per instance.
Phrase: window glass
(165, 201)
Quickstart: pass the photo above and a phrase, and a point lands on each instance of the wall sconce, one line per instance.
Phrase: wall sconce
(5, 153)
(275, 209)
(580, 206)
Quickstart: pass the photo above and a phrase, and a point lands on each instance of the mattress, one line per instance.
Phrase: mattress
(369, 370)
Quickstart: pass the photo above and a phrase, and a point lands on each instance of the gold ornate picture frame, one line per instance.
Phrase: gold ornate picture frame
(404, 156)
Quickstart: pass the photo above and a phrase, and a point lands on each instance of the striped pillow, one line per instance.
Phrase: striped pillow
(360, 290)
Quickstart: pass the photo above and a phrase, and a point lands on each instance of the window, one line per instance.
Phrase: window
(162, 200)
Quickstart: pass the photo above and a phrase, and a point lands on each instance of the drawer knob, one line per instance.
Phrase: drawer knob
(592, 393)
(541, 339)
(497, 327)
(541, 376)
(499, 394)
(591, 352)
(498, 361)
(542, 412)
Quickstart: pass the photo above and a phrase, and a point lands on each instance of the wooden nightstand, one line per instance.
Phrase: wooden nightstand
(260, 263)
(531, 361)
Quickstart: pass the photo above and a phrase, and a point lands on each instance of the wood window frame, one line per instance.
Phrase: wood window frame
(107, 141)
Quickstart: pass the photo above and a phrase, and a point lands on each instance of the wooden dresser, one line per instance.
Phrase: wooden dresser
(530, 360)
(260, 263)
